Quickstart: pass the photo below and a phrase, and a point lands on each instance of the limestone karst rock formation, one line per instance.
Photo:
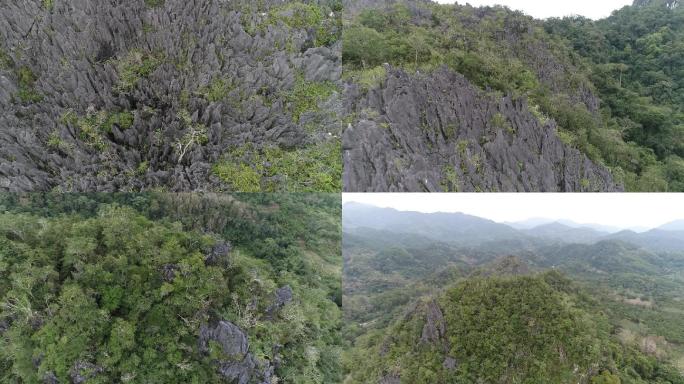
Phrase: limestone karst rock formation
(437, 132)
(434, 129)
(110, 95)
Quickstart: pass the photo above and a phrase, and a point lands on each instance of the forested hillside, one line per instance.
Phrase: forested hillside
(420, 309)
(636, 58)
(458, 98)
(162, 288)
(530, 329)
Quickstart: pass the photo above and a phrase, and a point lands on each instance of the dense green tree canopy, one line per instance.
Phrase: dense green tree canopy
(116, 287)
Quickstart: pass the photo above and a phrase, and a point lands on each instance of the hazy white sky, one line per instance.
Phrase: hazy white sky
(541, 9)
(624, 210)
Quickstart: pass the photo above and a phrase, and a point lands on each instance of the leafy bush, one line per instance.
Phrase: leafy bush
(27, 93)
(313, 168)
(305, 96)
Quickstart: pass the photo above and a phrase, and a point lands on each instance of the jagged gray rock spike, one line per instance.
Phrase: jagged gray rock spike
(72, 48)
(436, 132)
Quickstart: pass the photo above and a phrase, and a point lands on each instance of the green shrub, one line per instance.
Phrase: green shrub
(5, 60)
(132, 68)
(95, 125)
(313, 168)
(298, 15)
(306, 95)
(27, 93)
(369, 78)
(154, 3)
(363, 47)
(449, 182)
(217, 90)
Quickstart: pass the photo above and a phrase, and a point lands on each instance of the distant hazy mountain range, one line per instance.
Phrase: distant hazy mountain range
(472, 230)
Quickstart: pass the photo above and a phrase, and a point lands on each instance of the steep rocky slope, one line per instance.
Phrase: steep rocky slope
(457, 98)
(438, 132)
(190, 95)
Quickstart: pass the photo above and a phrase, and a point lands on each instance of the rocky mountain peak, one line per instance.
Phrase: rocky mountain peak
(669, 3)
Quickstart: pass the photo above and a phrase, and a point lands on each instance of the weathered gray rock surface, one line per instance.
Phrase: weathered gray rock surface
(438, 132)
(283, 295)
(239, 366)
(68, 70)
(219, 253)
(434, 329)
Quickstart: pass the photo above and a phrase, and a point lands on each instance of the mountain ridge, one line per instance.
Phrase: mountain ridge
(456, 226)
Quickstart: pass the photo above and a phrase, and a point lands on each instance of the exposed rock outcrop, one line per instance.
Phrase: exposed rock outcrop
(168, 272)
(283, 295)
(437, 132)
(669, 3)
(219, 253)
(390, 379)
(450, 363)
(82, 371)
(122, 95)
(50, 378)
(434, 329)
(239, 366)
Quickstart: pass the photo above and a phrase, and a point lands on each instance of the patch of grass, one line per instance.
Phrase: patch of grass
(510, 130)
(5, 60)
(135, 66)
(567, 138)
(500, 121)
(94, 125)
(539, 114)
(297, 15)
(148, 28)
(217, 90)
(461, 147)
(450, 130)
(54, 141)
(154, 3)
(27, 93)
(241, 176)
(449, 182)
(369, 78)
(48, 4)
(122, 119)
(69, 117)
(90, 132)
(142, 168)
(306, 95)
(315, 168)
(585, 183)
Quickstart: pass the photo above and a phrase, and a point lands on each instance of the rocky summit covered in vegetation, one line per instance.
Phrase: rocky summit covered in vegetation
(452, 298)
(459, 98)
(524, 329)
(185, 95)
(161, 288)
